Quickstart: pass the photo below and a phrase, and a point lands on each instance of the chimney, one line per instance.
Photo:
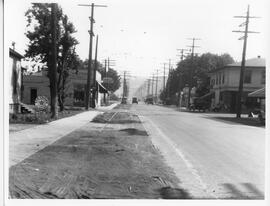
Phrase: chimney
(13, 45)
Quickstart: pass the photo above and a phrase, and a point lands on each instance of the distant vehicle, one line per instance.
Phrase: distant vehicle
(134, 100)
(261, 116)
(149, 100)
(260, 95)
(124, 100)
(199, 104)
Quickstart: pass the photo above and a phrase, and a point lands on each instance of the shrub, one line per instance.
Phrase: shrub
(13, 117)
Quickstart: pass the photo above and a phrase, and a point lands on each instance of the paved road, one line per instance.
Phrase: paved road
(212, 158)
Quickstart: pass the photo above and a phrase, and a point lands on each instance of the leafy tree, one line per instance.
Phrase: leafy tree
(199, 68)
(68, 59)
(111, 73)
(40, 41)
(114, 97)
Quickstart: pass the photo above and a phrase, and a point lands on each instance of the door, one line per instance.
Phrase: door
(233, 101)
(33, 96)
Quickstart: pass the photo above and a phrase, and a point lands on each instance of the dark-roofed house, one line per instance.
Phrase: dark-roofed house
(15, 79)
(225, 82)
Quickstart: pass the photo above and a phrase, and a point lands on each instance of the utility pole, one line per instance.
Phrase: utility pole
(191, 68)
(124, 85)
(180, 79)
(168, 81)
(108, 63)
(164, 76)
(182, 53)
(157, 85)
(89, 58)
(53, 70)
(148, 87)
(90, 70)
(106, 71)
(105, 64)
(94, 85)
(153, 78)
(242, 71)
(168, 85)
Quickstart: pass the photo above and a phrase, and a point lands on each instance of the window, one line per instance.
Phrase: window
(33, 95)
(216, 79)
(212, 82)
(247, 77)
(219, 78)
(263, 77)
(223, 78)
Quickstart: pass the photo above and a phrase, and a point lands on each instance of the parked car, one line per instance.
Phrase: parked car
(124, 100)
(199, 104)
(260, 110)
(149, 100)
(134, 100)
(262, 116)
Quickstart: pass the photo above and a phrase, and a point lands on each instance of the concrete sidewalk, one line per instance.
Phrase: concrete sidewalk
(24, 143)
(107, 108)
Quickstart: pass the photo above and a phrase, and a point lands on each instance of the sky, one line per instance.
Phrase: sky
(141, 35)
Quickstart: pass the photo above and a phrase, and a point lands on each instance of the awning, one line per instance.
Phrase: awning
(206, 95)
(258, 93)
(101, 88)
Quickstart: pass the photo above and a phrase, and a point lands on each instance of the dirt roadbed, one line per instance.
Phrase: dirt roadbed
(111, 157)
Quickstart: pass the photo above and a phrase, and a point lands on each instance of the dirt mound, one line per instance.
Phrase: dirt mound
(116, 117)
(134, 131)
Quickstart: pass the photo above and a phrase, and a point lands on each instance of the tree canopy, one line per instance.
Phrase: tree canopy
(111, 73)
(40, 42)
(200, 67)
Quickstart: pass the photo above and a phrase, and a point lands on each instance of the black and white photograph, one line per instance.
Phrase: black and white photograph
(135, 102)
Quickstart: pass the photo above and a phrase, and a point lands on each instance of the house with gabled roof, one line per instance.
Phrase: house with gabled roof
(225, 82)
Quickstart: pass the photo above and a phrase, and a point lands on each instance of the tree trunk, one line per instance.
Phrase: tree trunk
(60, 102)
(61, 95)
(53, 72)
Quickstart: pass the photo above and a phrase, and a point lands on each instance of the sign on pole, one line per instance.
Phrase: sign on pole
(107, 80)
